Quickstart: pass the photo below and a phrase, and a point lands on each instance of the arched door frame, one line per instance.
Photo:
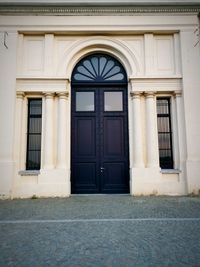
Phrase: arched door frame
(99, 134)
(123, 55)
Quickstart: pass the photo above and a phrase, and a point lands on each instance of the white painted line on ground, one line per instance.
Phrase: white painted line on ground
(101, 220)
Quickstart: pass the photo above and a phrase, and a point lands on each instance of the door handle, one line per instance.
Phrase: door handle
(102, 168)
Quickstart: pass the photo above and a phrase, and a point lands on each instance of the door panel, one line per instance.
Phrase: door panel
(113, 137)
(114, 178)
(100, 156)
(85, 177)
(85, 137)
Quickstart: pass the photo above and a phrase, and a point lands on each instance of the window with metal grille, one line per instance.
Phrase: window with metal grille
(164, 133)
(34, 134)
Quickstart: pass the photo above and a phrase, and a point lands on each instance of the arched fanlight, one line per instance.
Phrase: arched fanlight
(99, 68)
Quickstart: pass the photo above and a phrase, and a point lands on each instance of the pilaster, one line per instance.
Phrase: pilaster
(62, 130)
(151, 131)
(181, 145)
(49, 131)
(18, 128)
(138, 160)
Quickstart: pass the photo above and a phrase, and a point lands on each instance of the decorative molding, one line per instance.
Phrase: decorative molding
(34, 85)
(41, 85)
(63, 95)
(49, 95)
(92, 44)
(150, 94)
(157, 84)
(135, 94)
(94, 10)
(20, 95)
(177, 93)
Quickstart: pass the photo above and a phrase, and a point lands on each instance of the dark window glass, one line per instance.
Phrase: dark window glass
(99, 68)
(34, 134)
(164, 133)
(84, 101)
(113, 101)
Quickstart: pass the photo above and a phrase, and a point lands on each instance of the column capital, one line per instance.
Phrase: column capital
(150, 94)
(63, 95)
(49, 94)
(177, 93)
(135, 94)
(20, 95)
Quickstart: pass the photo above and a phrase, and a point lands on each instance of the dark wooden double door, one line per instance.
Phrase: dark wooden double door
(99, 140)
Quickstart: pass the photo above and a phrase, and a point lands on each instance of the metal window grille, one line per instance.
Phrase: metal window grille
(164, 133)
(34, 134)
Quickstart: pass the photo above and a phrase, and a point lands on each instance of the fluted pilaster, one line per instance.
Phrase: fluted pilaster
(62, 130)
(138, 160)
(49, 131)
(151, 131)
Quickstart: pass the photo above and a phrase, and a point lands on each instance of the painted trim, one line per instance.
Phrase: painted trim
(6, 9)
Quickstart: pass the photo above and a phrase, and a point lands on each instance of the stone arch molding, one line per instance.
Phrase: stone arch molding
(84, 47)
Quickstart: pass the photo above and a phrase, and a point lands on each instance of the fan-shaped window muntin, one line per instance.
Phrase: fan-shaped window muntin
(99, 68)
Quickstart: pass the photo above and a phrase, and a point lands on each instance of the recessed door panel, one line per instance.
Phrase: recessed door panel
(114, 178)
(85, 137)
(113, 142)
(85, 177)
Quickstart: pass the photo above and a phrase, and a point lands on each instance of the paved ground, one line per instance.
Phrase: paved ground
(100, 231)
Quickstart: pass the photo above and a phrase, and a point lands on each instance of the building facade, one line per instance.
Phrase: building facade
(99, 98)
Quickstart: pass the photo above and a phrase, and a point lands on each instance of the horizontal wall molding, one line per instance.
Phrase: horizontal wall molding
(156, 84)
(41, 85)
(61, 84)
(94, 10)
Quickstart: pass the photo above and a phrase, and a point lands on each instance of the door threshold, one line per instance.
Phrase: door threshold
(87, 195)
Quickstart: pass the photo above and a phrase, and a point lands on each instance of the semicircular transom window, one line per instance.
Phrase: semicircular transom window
(99, 68)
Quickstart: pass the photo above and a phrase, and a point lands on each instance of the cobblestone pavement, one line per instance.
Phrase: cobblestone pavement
(100, 231)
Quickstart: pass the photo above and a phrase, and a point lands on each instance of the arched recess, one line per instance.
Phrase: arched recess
(91, 45)
(99, 125)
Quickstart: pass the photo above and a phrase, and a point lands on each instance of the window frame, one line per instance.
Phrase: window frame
(170, 132)
(29, 99)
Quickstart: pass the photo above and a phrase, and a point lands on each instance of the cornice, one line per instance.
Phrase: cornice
(94, 10)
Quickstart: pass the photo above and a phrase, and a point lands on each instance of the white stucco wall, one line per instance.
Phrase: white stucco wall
(161, 59)
(8, 58)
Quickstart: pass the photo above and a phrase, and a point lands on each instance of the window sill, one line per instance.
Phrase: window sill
(170, 171)
(29, 173)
